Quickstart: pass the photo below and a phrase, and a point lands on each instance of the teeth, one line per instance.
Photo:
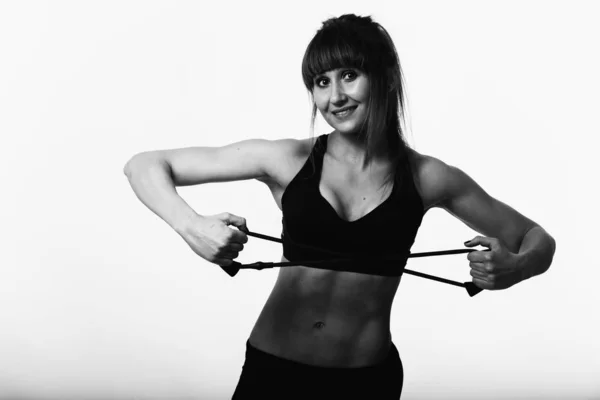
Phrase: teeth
(342, 113)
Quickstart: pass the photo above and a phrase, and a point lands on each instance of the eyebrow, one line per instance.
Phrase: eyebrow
(341, 69)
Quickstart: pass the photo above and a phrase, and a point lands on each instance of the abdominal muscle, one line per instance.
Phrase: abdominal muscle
(327, 318)
(322, 317)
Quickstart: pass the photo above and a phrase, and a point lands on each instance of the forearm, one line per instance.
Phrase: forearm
(151, 180)
(536, 253)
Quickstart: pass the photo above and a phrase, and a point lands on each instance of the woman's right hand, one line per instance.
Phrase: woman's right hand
(212, 239)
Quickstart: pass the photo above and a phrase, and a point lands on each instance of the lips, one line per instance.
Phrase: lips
(344, 111)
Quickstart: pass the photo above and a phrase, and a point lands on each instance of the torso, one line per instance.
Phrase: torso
(324, 317)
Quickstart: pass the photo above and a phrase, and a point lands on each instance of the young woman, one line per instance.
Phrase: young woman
(324, 332)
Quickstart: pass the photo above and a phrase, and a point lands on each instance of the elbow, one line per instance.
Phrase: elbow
(140, 161)
(551, 251)
(546, 262)
(130, 165)
(127, 167)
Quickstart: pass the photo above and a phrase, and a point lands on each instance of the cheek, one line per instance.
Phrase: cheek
(360, 90)
(363, 92)
(320, 103)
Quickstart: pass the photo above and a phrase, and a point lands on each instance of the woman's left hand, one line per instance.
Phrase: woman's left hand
(492, 269)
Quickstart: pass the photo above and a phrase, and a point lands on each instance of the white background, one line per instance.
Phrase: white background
(100, 299)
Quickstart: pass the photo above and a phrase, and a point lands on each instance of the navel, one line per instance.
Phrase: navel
(319, 324)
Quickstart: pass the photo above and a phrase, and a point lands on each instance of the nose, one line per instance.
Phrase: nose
(338, 95)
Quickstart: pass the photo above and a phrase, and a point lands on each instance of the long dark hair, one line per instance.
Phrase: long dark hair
(359, 42)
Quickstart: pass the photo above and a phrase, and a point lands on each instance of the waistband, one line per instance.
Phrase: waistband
(257, 356)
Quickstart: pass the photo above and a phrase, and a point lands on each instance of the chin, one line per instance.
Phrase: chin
(346, 129)
(351, 127)
(347, 132)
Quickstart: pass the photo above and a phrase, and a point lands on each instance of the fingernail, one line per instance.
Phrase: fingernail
(467, 242)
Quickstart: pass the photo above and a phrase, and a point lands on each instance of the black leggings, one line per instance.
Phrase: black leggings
(265, 376)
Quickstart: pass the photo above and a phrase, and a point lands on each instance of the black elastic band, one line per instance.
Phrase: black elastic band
(234, 267)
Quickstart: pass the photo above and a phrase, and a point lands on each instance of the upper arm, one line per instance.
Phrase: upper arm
(461, 196)
(247, 159)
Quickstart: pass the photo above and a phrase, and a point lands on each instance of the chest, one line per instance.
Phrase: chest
(331, 211)
(354, 195)
(351, 195)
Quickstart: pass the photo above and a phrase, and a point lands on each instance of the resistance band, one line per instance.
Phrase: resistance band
(235, 266)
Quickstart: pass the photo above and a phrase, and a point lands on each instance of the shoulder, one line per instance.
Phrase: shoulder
(282, 147)
(284, 155)
(284, 150)
(436, 180)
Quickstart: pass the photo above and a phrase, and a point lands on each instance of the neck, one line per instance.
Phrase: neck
(350, 149)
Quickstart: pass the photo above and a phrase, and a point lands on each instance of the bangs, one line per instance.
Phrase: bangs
(332, 49)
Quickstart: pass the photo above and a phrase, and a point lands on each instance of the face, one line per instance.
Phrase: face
(341, 95)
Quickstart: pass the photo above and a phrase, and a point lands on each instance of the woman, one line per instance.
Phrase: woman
(324, 332)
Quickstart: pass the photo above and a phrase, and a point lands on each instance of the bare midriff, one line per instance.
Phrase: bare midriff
(327, 318)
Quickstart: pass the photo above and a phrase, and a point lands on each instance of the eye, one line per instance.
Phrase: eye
(350, 73)
(320, 82)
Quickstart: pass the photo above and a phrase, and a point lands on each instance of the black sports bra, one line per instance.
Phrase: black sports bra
(377, 244)
(312, 229)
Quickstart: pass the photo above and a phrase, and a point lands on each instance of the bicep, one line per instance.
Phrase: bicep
(467, 201)
(248, 159)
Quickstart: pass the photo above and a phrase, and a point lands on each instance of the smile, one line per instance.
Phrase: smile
(344, 113)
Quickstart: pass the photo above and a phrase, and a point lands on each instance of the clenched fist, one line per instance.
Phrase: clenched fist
(211, 238)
